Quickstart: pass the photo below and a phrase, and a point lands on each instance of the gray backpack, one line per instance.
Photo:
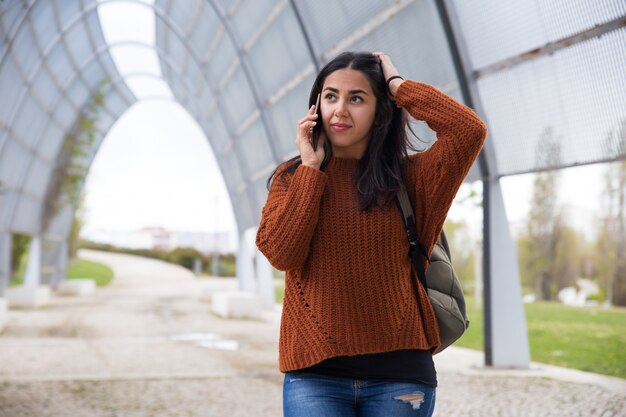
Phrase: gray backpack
(440, 280)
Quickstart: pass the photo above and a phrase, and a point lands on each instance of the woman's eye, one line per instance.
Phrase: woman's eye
(357, 99)
(329, 96)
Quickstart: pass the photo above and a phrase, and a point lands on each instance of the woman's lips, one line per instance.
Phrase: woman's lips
(339, 127)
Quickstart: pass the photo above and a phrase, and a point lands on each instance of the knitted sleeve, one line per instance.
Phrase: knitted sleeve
(440, 171)
(289, 216)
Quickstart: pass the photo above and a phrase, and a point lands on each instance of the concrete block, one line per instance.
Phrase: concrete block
(207, 295)
(28, 297)
(77, 287)
(3, 313)
(236, 304)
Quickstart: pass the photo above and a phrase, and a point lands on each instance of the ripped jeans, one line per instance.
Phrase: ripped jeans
(313, 395)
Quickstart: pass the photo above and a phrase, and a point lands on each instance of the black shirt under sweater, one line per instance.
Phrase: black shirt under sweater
(409, 365)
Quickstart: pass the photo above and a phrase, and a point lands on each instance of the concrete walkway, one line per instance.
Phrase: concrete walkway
(148, 345)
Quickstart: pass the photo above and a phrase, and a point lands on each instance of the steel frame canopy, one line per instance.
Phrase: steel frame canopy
(243, 68)
(53, 59)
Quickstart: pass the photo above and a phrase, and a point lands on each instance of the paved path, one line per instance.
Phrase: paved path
(148, 345)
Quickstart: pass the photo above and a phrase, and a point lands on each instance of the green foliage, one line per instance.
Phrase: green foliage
(77, 224)
(183, 256)
(473, 337)
(545, 220)
(82, 268)
(279, 290)
(551, 254)
(611, 245)
(462, 252)
(20, 269)
(71, 164)
(227, 265)
(19, 249)
(600, 296)
(180, 256)
(590, 339)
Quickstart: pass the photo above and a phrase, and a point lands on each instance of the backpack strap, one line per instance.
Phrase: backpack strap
(416, 249)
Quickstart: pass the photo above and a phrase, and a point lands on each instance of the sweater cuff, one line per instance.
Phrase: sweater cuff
(311, 181)
(412, 92)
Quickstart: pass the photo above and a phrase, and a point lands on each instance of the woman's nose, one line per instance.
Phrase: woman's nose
(341, 109)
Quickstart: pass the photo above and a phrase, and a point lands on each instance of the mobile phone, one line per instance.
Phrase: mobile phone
(314, 137)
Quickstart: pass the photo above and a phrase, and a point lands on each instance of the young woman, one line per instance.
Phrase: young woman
(352, 339)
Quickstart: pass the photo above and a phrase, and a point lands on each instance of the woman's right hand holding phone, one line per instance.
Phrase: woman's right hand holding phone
(310, 157)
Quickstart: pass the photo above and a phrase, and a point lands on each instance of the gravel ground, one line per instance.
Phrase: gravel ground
(148, 345)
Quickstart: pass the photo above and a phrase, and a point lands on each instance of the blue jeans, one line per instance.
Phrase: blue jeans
(312, 395)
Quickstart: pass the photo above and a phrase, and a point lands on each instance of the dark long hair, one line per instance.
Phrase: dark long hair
(379, 171)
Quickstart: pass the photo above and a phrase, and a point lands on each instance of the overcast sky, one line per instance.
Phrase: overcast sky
(156, 168)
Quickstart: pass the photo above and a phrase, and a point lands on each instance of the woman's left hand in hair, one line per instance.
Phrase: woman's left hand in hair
(389, 70)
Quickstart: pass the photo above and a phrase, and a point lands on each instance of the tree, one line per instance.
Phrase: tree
(568, 262)
(545, 220)
(461, 252)
(612, 237)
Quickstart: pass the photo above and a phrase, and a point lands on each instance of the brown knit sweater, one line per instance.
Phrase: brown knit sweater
(347, 281)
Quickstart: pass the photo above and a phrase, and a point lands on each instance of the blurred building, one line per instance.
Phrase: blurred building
(161, 238)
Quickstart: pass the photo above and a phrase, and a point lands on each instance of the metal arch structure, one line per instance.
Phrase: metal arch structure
(505, 343)
(243, 68)
(31, 155)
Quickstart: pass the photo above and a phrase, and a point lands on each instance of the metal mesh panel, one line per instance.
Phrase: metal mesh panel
(286, 112)
(29, 121)
(51, 142)
(178, 52)
(223, 57)
(60, 64)
(254, 148)
(39, 76)
(549, 110)
(10, 14)
(67, 11)
(204, 32)
(13, 160)
(247, 215)
(27, 214)
(44, 88)
(7, 201)
(218, 134)
(260, 189)
(414, 39)
(34, 184)
(25, 56)
(231, 169)
(11, 85)
(44, 23)
(250, 15)
(184, 11)
(279, 54)
(78, 42)
(573, 99)
(237, 97)
(331, 21)
(499, 29)
(78, 93)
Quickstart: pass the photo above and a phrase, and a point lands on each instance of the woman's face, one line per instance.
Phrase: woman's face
(348, 107)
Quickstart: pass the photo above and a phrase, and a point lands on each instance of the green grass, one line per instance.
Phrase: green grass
(81, 268)
(473, 337)
(589, 339)
(280, 292)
